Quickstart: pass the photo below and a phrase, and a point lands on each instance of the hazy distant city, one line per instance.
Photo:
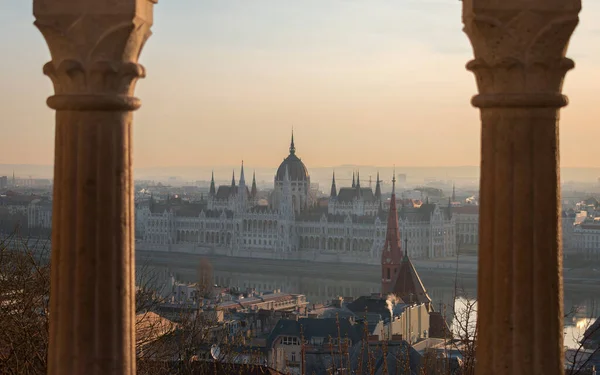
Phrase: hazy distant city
(300, 187)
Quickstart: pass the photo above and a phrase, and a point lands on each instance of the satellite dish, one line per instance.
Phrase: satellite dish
(215, 352)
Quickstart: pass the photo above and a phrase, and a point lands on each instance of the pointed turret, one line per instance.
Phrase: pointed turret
(333, 193)
(358, 179)
(233, 179)
(212, 191)
(242, 178)
(378, 189)
(391, 256)
(292, 146)
(254, 191)
(353, 181)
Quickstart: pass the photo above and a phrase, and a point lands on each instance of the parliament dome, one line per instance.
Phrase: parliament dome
(296, 169)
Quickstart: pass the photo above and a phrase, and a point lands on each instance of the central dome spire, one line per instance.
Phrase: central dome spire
(292, 147)
(296, 169)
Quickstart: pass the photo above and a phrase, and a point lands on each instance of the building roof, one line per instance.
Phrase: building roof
(423, 212)
(408, 285)
(314, 327)
(348, 194)
(226, 191)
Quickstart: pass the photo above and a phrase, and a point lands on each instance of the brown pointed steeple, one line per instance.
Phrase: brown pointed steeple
(378, 188)
(391, 256)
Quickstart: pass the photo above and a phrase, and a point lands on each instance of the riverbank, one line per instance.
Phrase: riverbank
(433, 273)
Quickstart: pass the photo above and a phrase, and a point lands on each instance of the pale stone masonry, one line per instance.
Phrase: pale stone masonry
(519, 66)
(94, 46)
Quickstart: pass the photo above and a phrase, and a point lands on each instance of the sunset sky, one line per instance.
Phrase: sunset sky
(369, 82)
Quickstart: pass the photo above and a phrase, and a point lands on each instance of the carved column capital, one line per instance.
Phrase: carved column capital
(95, 46)
(519, 48)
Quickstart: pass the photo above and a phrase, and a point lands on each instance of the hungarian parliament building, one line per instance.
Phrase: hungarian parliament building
(349, 226)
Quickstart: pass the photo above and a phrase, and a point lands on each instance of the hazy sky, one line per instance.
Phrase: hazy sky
(370, 82)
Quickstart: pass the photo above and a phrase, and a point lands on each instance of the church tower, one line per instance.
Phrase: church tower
(391, 256)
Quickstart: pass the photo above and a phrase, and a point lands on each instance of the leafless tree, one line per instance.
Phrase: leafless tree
(587, 338)
(24, 297)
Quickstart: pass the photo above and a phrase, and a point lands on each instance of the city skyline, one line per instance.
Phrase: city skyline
(377, 84)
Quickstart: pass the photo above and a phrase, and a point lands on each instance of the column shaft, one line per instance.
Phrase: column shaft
(520, 268)
(520, 65)
(95, 46)
(92, 305)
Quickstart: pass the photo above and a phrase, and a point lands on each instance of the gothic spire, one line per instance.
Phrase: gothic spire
(353, 181)
(292, 146)
(233, 179)
(242, 178)
(253, 192)
(333, 187)
(378, 188)
(358, 179)
(391, 256)
(212, 191)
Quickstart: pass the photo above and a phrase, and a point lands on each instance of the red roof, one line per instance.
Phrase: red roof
(408, 285)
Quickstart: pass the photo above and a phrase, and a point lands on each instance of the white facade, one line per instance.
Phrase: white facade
(467, 224)
(587, 239)
(351, 229)
(39, 214)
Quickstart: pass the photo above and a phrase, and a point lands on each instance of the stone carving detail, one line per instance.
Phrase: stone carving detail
(95, 54)
(520, 51)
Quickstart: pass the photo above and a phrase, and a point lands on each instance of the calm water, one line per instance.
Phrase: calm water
(584, 304)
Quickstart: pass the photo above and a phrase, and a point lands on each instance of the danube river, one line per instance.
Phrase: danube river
(322, 282)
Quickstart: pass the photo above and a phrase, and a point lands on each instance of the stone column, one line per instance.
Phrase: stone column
(94, 45)
(520, 65)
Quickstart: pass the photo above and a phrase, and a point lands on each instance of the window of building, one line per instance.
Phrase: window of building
(290, 340)
(293, 356)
